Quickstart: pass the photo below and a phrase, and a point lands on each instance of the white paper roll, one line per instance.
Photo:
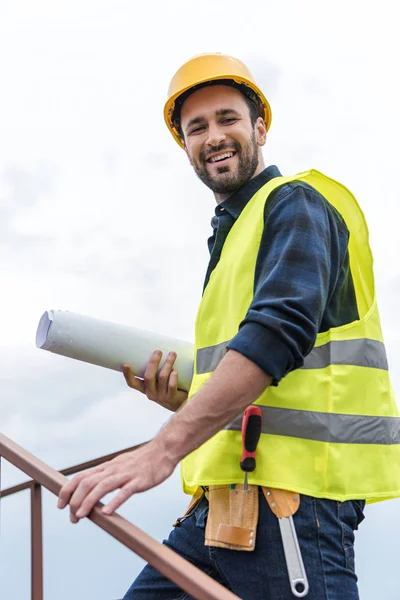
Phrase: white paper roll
(109, 344)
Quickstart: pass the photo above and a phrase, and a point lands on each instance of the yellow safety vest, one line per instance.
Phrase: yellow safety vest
(331, 429)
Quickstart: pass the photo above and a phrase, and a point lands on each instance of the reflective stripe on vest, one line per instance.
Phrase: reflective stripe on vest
(358, 353)
(327, 427)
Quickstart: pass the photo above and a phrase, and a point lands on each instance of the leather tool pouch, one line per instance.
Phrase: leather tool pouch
(232, 517)
(282, 502)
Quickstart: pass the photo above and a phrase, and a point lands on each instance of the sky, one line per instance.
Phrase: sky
(101, 214)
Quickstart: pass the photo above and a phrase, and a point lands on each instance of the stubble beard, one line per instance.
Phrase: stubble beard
(246, 167)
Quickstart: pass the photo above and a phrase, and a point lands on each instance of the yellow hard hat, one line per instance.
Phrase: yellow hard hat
(206, 68)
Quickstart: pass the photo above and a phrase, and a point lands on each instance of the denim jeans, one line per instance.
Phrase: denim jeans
(325, 530)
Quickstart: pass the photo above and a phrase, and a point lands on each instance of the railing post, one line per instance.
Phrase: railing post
(36, 543)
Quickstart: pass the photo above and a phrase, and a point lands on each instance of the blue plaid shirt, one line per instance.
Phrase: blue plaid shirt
(303, 284)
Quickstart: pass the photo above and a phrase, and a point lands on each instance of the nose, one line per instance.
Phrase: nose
(216, 135)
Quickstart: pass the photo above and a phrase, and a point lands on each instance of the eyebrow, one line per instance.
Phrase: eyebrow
(222, 112)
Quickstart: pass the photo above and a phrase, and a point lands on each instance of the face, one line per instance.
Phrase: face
(222, 145)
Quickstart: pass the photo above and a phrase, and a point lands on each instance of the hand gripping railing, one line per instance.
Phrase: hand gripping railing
(174, 567)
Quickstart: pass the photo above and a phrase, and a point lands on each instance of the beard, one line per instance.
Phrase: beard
(228, 180)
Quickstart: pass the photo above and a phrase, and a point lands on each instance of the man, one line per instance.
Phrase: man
(288, 320)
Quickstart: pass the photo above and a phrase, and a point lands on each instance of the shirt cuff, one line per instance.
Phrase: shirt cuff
(265, 349)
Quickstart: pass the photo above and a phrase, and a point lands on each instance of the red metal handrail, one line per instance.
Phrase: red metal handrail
(174, 567)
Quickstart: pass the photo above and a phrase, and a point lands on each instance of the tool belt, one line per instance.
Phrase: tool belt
(233, 513)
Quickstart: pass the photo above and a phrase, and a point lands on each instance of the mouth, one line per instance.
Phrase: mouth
(221, 158)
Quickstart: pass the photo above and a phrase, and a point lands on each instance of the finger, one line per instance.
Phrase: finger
(173, 384)
(165, 373)
(123, 495)
(132, 380)
(150, 375)
(83, 491)
(68, 489)
(102, 488)
(73, 518)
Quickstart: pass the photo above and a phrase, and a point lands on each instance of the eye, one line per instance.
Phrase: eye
(197, 130)
(229, 120)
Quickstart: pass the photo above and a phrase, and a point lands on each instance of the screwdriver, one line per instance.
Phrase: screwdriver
(251, 431)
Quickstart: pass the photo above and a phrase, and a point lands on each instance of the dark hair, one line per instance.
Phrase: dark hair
(251, 98)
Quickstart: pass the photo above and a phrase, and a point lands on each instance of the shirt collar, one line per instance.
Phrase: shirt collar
(236, 203)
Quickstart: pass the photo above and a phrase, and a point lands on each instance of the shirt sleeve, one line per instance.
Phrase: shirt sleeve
(298, 265)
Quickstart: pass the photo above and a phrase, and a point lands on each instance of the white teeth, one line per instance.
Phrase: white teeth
(221, 156)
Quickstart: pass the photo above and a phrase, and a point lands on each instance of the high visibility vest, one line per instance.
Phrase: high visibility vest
(331, 429)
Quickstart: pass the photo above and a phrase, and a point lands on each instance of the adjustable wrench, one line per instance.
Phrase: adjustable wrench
(284, 504)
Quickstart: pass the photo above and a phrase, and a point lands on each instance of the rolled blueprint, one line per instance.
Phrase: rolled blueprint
(109, 344)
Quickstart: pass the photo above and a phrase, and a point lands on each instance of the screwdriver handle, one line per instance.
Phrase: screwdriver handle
(251, 431)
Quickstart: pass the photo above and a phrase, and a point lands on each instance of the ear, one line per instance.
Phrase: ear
(261, 131)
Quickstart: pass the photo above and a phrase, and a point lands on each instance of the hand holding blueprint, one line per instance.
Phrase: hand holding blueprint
(109, 344)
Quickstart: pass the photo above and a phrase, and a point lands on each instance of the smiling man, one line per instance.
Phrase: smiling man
(233, 154)
(288, 322)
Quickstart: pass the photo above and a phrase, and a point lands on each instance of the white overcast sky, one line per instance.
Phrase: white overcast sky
(101, 214)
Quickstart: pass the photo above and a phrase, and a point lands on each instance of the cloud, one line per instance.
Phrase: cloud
(27, 187)
(64, 410)
(267, 74)
(23, 191)
(100, 213)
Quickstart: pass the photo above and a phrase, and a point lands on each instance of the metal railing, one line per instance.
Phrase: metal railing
(174, 567)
